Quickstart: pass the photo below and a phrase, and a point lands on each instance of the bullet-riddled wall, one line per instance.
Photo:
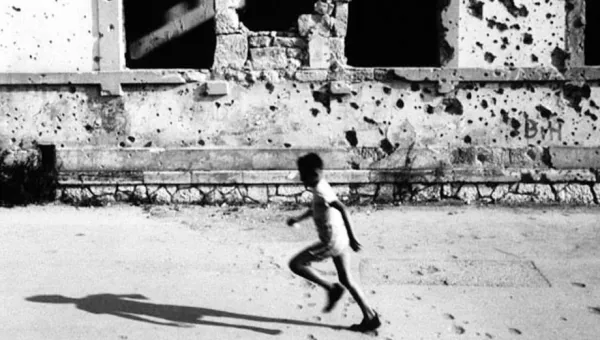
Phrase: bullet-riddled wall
(499, 104)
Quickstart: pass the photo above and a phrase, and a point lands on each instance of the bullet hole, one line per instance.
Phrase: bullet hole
(201, 142)
(400, 103)
(387, 146)
(72, 89)
(482, 158)
(269, 141)
(591, 115)
(544, 112)
(287, 145)
(514, 133)
(484, 104)
(315, 112)
(489, 57)
(387, 90)
(467, 139)
(559, 59)
(491, 23)
(470, 121)
(476, 9)
(273, 108)
(515, 124)
(469, 95)
(354, 105)
(453, 106)
(514, 10)
(534, 58)
(147, 145)
(532, 154)
(369, 120)
(351, 138)
(157, 130)
(323, 98)
(574, 94)
(527, 38)
(218, 105)
(378, 103)
(354, 165)
(88, 128)
(415, 87)
(270, 87)
(131, 139)
(429, 109)
(122, 144)
(504, 115)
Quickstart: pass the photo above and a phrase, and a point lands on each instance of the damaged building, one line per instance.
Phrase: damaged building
(212, 101)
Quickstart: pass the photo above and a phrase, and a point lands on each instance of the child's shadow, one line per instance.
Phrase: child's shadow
(125, 306)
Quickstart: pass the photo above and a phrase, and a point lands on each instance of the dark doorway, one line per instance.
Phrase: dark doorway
(592, 33)
(194, 49)
(274, 15)
(393, 33)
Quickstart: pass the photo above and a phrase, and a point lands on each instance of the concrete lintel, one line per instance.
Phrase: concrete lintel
(167, 177)
(93, 78)
(217, 177)
(100, 178)
(566, 157)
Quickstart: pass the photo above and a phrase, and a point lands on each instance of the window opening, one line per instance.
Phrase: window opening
(274, 15)
(592, 33)
(169, 33)
(394, 33)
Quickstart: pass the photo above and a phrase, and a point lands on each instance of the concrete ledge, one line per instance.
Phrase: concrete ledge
(575, 157)
(101, 178)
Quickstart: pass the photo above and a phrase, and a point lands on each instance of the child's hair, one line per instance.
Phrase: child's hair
(310, 161)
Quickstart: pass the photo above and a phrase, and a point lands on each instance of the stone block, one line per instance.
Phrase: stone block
(103, 190)
(338, 49)
(340, 87)
(227, 21)
(575, 157)
(290, 42)
(500, 191)
(260, 41)
(426, 193)
(187, 196)
(231, 51)
(77, 195)
(217, 177)
(319, 52)
(513, 198)
(315, 24)
(295, 53)
(568, 176)
(161, 196)
(450, 190)
(468, 193)
(140, 193)
(544, 194)
(324, 7)
(257, 193)
(122, 196)
(290, 190)
(340, 27)
(167, 177)
(485, 190)
(310, 76)
(230, 195)
(385, 193)
(217, 88)
(268, 58)
(367, 189)
(574, 193)
(226, 4)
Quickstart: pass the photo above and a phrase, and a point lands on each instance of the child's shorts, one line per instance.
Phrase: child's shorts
(322, 251)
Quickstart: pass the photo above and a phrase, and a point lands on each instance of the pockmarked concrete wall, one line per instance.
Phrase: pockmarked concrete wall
(48, 36)
(509, 117)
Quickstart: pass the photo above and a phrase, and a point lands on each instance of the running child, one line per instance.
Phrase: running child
(337, 239)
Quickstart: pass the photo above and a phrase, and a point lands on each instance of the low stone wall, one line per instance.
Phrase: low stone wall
(351, 194)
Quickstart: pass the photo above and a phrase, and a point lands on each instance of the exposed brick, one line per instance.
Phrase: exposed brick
(340, 27)
(314, 24)
(268, 57)
(290, 42)
(227, 22)
(231, 51)
(319, 52)
(260, 41)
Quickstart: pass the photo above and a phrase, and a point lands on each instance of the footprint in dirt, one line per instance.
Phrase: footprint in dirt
(515, 331)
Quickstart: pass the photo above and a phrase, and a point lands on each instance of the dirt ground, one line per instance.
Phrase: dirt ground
(166, 272)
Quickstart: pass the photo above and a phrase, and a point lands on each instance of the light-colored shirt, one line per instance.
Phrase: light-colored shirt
(328, 220)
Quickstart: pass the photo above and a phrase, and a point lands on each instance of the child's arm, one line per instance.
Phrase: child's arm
(354, 244)
(294, 220)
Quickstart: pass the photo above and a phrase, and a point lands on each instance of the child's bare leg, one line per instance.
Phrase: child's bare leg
(300, 265)
(342, 264)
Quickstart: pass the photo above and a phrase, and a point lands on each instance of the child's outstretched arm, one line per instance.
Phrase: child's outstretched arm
(354, 244)
(293, 220)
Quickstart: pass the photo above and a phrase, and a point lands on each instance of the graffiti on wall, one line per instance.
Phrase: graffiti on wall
(544, 130)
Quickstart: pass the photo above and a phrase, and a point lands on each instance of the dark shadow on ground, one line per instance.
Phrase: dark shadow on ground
(126, 306)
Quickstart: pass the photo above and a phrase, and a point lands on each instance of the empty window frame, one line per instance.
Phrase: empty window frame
(394, 33)
(592, 32)
(169, 33)
(274, 15)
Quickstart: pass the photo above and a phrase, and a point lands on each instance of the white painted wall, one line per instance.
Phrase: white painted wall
(48, 36)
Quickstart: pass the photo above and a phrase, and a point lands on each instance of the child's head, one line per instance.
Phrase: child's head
(310, 167)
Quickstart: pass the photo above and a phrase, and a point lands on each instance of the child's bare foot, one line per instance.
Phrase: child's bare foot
(334, 295)
(367, 325)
